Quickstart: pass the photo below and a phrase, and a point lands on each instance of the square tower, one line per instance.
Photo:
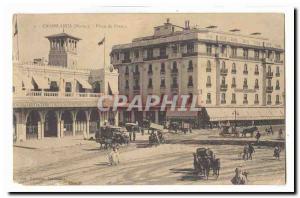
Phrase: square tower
(63, 50)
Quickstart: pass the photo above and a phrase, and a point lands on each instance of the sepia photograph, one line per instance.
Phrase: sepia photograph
(149, 99)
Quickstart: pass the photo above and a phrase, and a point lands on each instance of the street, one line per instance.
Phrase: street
(82, 163)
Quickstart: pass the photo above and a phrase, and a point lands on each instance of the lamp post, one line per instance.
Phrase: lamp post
(235, 113)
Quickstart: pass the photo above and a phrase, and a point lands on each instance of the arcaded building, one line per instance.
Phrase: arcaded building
(55, 99)
(237, 78)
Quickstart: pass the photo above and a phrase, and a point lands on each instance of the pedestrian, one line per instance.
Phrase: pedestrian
(246, 152)
(251, 150)
(277, 151)
(239, 178)
(142, 129)
(113, 156)
(271, 130)
(280, 133)
(257, 136)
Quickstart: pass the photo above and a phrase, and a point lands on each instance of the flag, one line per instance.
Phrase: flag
(16, 28)
(102, 41)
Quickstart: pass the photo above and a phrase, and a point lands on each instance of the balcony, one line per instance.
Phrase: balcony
(190, 69)
(136, 74)
(245, 87)
(256, 73)
(269, 89)
(189, 54)
(223, 72)
(208, 69)
(269, 102)
(233, 71)
(245, 72)
(136, 88)
(162, 87)
(174, 72)
(156, 58)
(208, 84)
(126, 73)
(174, 87)
(126, 88)
(162, 72)
(277, 102)
(150, 72)
(223, 87)
(277, 88)
(267, 60)
(190, 85)
(256, 87)
(269, 74)
(277, 74)
(126, 61)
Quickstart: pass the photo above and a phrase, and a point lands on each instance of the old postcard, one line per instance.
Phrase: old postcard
(149, 99)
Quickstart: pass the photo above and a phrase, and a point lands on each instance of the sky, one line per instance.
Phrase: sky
(122, 28)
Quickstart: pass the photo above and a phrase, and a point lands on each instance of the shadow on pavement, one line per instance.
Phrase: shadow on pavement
(189, 174)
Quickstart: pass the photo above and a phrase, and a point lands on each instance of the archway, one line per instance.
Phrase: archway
(80, 122)
(32, 125)
(94, 121)
(50, 124)
(66, 117)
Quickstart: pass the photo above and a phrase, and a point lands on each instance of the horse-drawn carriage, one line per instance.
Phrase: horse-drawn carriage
(179, 126)
(235, 131)
(111, 135)
(204, 161)
(156, 136)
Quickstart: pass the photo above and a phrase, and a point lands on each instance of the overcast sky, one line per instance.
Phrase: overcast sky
(122, 28)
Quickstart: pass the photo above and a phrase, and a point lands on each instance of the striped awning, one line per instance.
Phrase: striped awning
(181, 114)
(41, 82)
(263, 113)
(22, 81)
(84, 83)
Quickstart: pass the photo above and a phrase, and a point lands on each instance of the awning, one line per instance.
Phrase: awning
(263, 113)
(84, 83)
(182, 114)
(22, 81)
(41, 82)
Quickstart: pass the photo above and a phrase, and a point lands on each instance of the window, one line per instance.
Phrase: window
(149, 53)
(190, 48)
(174, 81)
(190, 82)
(162, 82)
(269, 101)
(208, 49)
(136, 83)
(245, 101)
(150, 69)
(162, 68)
(208, 81)
(208, 66)
(223, 49)
(174, 49)
(162, 52)
(126, 55)
(233, 51)
(68, 87)
(233, 98)
(277, 56)
(223, 81)
(256, 86)
(136, 53)
(245, 53)
(126, 70)
(277, 99)
(256, 99)
(223, 65)
(269, 83)
(190, 68)
(245, 83)
(175, 67)
(269, 69)
(150, 83)
(256, 71)
(136, 69)
(223, 98)
(277, 85)
(245, 69)
(233, 84)
(126, 84)
(233, 70)
(256, 54)
(270, 54)
(208, 98)
(118, 56)
(277, 72)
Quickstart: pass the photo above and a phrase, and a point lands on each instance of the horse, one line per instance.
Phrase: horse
(202, 165)
(246, 152)
(216, 165)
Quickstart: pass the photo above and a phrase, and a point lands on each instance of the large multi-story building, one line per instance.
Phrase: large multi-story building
(58, 100)
(236, 77)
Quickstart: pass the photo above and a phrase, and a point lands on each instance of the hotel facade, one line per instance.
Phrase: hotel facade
(236, 78)
(56, 99)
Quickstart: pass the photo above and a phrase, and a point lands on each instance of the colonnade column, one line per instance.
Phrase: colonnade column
(87, 130)
(74, 113)
(156, 117)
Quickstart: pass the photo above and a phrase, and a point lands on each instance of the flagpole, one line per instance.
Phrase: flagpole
(104, 50)
(18, 53)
